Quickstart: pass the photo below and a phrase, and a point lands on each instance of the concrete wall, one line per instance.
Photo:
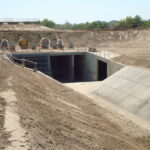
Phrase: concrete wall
(44, 61)
(83, 38)
(91, 66)
(129, 88)
(33, 37)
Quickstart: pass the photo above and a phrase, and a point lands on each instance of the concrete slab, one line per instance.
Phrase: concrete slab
(128, 89)
(127, 92)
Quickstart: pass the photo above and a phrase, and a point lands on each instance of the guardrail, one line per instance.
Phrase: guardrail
(13, 59)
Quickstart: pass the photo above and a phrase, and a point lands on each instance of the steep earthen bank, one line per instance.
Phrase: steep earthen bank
(56, 117)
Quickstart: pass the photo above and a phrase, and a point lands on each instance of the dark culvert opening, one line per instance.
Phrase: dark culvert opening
(102, 70)
(78, 68)
(61, 68)
(67, 68)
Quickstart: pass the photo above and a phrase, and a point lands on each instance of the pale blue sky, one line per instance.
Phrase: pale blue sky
(74, 11)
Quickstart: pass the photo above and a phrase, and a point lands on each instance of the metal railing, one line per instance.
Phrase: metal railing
(13, 59)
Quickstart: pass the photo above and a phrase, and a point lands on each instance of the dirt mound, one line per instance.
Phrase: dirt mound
(24, 27)
(128, 60)
(3, 135)
(130, 43)
(106, 38)
(56, 117)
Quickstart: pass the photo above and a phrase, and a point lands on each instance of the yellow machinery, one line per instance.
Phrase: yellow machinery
(23, 43)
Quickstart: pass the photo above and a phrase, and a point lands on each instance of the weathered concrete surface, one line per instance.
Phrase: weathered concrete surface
(91, 64)
(129, 88)
(32, 32)
(33, 37)
(86, 88)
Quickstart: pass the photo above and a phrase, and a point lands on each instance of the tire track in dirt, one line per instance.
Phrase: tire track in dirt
(11, 122)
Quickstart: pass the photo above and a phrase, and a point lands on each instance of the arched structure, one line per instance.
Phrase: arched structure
(57, 44)
(5, 44)
(45, 43)
(54, 44)
(60, 43)
(23, 43)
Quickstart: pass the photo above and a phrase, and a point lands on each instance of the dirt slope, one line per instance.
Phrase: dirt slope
(58, 118)
(24, 27)
(133, 45)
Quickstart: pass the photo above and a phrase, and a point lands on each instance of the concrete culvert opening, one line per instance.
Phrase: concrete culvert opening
(73, 66)
(45, 43)
(4, 44)
(23, 43)
(61, 68)
(79, 68)
(102, 70)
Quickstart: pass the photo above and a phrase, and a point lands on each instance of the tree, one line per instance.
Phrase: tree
(66, 26)
(112, 23)
(48, 23)
(96, 25)
(129, 22)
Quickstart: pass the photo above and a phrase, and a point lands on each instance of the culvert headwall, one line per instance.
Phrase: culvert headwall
(72, 66)
(128, 88)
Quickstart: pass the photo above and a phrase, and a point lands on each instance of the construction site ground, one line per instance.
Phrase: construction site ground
(39, 113)
(52, 116)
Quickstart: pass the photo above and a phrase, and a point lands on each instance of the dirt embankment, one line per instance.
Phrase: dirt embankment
(56, 117)
(129, 38)
(3, 135)
(130, 43)
(133, 44)
(128, 60)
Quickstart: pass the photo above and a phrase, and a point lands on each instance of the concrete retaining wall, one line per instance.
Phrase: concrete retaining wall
(91, 66)
(33, 37)
(129, 88)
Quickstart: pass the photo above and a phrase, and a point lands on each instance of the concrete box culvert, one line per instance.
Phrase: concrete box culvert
(72, 66)
(126, 87)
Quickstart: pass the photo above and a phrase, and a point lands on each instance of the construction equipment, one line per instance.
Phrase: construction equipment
(23, 43)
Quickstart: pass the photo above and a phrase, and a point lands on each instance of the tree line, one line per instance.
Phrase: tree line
(127, 23)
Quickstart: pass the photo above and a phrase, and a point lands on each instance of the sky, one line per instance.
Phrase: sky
(74, 11)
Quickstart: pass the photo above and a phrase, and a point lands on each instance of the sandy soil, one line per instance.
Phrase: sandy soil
(136, 56)
(12, 122)
(57, 118)
(3, 135)
(86, 88)
(133, 44)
